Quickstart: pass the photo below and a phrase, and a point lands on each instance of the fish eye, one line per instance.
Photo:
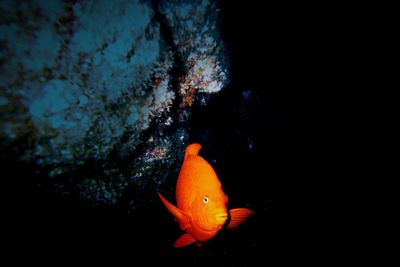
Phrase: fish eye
(205, 199)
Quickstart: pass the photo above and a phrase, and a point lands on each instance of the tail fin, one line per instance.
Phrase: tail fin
(192, 149)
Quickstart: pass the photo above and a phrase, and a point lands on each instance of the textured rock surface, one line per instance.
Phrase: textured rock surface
(98, 93)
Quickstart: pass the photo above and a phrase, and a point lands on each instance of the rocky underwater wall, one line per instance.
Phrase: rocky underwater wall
(98, 94)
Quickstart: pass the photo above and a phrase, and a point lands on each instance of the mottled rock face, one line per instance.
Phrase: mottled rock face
(99, 85)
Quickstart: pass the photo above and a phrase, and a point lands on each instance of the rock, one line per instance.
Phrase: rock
(86, 85)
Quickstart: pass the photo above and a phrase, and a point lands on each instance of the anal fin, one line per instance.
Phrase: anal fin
(184, 240)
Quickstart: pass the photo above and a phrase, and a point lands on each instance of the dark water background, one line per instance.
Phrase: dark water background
(244, 134)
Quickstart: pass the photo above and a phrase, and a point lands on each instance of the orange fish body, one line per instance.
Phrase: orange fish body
(201, 203)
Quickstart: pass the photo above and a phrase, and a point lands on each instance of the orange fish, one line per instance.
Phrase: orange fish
(201, 203)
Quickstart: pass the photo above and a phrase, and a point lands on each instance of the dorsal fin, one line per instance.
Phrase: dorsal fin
(192, 149)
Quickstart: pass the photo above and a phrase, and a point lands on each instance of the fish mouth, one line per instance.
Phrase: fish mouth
(221, 217)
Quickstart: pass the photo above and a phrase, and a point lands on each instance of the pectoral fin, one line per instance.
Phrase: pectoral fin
(238, 216)
(179, 215)
(184, 240)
